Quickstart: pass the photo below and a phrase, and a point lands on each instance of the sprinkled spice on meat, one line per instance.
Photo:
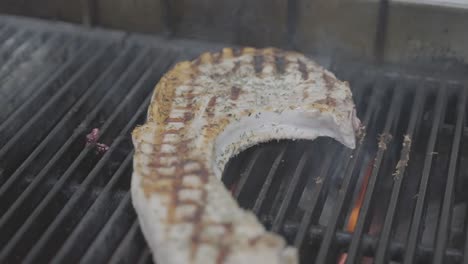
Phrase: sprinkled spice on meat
(204, 112)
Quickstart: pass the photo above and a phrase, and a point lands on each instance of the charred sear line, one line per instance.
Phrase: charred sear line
(210, 107)
(224, 247)
(329, 86)
(235, 92)
(258, 61)
(215, 76)
(329, 82)
(236, 67)
(303, 69)
(217, 57)
(188, 116)
(175, 119)
(280, 63)
(330, 101)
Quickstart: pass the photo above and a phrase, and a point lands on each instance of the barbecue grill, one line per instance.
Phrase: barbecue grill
(399, 197)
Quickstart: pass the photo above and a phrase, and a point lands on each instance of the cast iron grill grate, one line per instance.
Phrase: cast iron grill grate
(398, 197)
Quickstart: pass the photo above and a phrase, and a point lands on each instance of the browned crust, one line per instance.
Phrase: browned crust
(159, 111)
(187, 70)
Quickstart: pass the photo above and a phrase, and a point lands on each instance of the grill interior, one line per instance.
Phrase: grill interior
(63, 201)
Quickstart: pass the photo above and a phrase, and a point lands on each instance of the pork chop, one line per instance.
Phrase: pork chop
(204, 112)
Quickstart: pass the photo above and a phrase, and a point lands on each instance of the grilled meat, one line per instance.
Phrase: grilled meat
(204, 112)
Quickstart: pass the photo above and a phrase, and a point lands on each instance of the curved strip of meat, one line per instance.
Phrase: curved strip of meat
(206, 111)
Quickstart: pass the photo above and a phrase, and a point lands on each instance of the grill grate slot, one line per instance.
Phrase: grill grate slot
(47, 57)
(326, 247)
(24, 52)
(15, 41)
(65, 129)
(42, 121)
(62, 201)
(415, 229)
(382, 251)
(133, 240)
(44, 89)
(268, 181)
(84, 161)
(385, 139)
(291, 191)
(446, 214)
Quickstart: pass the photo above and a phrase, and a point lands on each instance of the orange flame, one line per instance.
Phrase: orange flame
(357, 207)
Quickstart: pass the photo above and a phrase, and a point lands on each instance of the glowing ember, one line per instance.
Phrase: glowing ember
(357, 207)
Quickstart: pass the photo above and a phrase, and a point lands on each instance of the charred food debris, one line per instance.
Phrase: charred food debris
(92, 140)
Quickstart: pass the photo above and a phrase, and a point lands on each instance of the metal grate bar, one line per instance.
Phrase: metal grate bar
(55, 136)
(247, 173)
(90, 178)
(363, 219)
(41, 207)
(25, 131)
(22, 52)
(42, 89)
(55, 139)
(88, 222)
(88, 182)
(369, 243)
(292, 188)
(446, 215)
(465, 250)
(65, 177)
(16, 86)
(145, 257)
(319, 195)
(89, 225)
(266, 186)
(110, 234)
(12, 43)
(50, 113)
(5, 33)
(50, 54)
(348, 180)
(415, 229)
(20, 61)
(6, 216)
(317, 199)
(294, 154)
(383, 245)
(58, 102)
(130, 246)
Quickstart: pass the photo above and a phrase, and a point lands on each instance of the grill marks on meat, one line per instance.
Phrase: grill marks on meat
(303, 69)
(202, 113)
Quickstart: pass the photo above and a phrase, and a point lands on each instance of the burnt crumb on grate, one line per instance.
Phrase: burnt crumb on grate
(403, 162)
(384, 139)
(318, 180)
(92, 140)
(92, 137)
(361, 134)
